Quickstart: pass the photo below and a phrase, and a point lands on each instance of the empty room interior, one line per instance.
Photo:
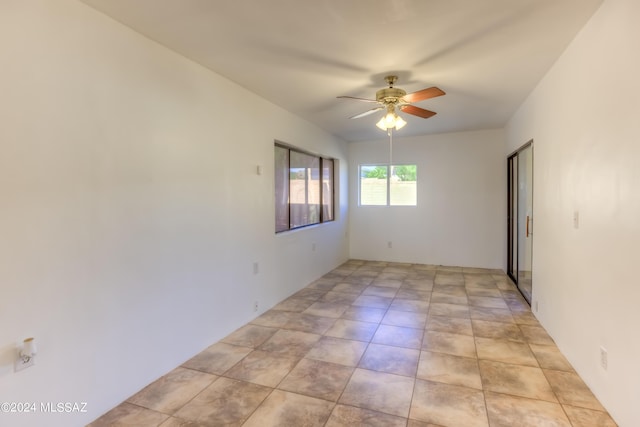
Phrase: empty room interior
(295, 212)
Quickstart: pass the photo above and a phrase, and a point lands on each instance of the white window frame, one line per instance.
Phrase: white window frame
(388, 184)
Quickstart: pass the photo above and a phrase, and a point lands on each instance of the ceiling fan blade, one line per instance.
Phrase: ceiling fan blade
(423, 94)
(357, 99)
(417, 111)
(366, 113)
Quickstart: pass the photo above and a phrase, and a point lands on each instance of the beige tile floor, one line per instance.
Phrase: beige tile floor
(378, 344)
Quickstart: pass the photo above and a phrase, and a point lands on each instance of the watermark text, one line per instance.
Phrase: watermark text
(46, 407)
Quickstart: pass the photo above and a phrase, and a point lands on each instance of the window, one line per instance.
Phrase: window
(378, 187)
(304, 188)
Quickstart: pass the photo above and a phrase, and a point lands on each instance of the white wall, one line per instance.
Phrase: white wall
(583, 117)
(130, 208)
(460, 218)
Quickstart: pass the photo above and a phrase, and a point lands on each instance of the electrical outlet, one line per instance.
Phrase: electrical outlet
(256, 268)
(22, 363)
(604, 358)
(535, 306)
(576, 219)
(255, 306)
(313, 246)
(389, 244)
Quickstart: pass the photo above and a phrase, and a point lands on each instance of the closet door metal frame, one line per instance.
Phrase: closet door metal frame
(512, 214)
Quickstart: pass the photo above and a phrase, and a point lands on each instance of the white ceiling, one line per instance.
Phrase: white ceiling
(300, 54)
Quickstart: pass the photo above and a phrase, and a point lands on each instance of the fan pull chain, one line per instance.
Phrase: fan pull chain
(390, 133)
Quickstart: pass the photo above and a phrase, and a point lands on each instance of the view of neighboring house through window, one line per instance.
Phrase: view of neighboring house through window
(378, 187)
(303, 188)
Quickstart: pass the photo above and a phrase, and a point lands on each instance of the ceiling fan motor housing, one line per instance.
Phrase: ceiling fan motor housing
(390, 95)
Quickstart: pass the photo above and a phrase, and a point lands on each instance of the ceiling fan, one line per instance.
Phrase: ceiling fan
(392, 97)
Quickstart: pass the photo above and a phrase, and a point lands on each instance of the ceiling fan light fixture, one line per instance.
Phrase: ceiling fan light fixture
(382, 124)
(391, 120)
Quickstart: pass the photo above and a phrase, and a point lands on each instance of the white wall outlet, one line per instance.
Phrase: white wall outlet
(535, 306)
(390, 244)
(23, 363)
(313, 246)
(256, 268)
(259, 169)
(576, 219)
(255, 306)
(25, 355)
(604, 358)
